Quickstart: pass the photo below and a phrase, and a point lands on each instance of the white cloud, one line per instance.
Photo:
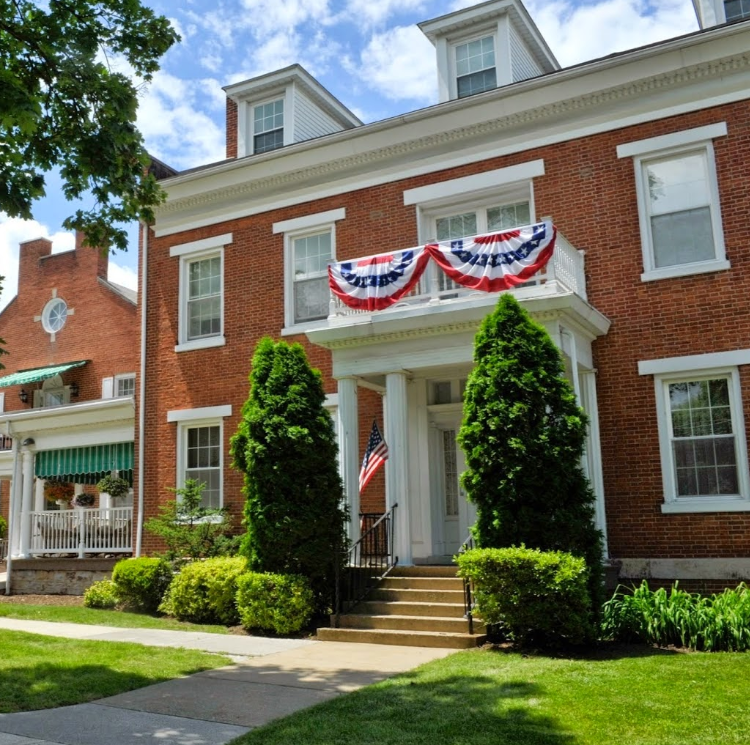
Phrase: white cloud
(271, 16)
(368, 13)
(400, 64)
(122, 275)
(14, 231)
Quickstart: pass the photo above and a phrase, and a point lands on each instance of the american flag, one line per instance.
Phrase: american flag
(375, 455)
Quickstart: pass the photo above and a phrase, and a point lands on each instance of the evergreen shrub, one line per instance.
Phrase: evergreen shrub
(102, 594)
(536, 597)
(282, 603)
(204, 591)
(141, 583)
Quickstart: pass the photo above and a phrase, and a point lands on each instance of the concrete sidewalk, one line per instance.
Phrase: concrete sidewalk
(213, 707)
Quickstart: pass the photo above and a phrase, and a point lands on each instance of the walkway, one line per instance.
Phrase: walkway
(213, 707)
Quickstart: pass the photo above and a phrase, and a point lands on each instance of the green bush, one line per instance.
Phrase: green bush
(3, 527)
(102, 594)
(204, 591)
(141, 583)
(717, 623)
(282, 603)
(537, 597)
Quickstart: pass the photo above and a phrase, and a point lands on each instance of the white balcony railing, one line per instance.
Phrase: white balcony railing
(564, 273)
(82, 531)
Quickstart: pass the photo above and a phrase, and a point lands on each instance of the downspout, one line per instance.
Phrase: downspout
(142, 391)
(11, 500)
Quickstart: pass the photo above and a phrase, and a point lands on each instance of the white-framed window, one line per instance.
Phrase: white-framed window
(736, 10)
(475, 66)
(309, 246)
(268, 125)
(200, 449)
(678, 202)
(124, 385)
(201, 295)
(701, 432)
(54, 315)
(52, 393)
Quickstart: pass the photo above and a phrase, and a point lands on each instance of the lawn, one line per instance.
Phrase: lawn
(96, 617)
(627, 696)
(41, 672)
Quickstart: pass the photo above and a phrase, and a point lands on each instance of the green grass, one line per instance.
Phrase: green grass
(41, 672)
(96, 617)
(498, 698)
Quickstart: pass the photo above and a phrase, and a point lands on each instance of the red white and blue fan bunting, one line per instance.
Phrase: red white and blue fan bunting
(376, 282)
(498, 261)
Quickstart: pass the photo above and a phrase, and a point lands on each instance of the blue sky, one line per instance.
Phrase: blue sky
(368, 53)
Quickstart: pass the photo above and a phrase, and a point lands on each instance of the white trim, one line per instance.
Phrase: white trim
(478, 182)
(193, 415)
(652, 145)
(331, 400)
(204, 244)
(685, 270)
(319, 219)
(694, 362)
(205, 343)
(705, 504)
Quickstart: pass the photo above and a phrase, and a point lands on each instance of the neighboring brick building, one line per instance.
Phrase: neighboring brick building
(640, 160)
(66, 398)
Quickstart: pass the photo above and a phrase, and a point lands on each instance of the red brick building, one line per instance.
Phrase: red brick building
(66, 400)
(639, 159)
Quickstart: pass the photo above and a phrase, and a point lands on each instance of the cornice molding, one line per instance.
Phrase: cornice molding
(576, 105)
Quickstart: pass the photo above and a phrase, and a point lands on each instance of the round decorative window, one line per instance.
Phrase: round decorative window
(54, 315)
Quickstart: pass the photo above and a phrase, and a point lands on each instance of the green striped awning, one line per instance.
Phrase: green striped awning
(86, 465)
(38, 373)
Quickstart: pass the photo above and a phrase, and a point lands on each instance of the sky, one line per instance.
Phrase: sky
(368, 53)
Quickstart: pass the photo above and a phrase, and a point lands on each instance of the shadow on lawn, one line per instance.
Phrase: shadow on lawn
(409, 710)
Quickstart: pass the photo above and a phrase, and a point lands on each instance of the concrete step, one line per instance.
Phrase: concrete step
(419, 596)
(442, 639)
(425, 570)
(386, 608)
(416, 582)
(407, 623)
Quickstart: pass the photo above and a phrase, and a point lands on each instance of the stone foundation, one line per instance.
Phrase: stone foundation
(58, 576)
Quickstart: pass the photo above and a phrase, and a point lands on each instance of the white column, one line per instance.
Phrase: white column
(15, 501)
(349, 445)
(39, 495)
(26, 502)
(594, 453)
(397, 466)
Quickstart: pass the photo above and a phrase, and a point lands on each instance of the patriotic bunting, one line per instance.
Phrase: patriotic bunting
(490, 263)
(376, 282)
(499, 261)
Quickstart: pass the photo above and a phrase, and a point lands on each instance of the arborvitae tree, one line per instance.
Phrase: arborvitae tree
(523, 435)
(286, 447)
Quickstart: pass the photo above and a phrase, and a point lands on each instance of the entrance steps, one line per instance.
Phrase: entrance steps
(413, 606)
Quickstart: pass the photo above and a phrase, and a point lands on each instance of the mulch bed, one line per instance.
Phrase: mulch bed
(42, 599)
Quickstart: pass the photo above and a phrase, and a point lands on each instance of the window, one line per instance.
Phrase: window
(475, 66)
(678, 203)
(309, 246)
(701, 432)
(485, 220)
(268, 126)
(201, 302)
(52, 393)
(125, 385)
(54, 315)
(736, 10)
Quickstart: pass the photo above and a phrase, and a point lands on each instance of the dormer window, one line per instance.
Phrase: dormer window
(475, 66)
(736, 10)
(268, 126)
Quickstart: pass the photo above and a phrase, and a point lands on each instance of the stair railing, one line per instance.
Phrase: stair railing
(366, 562)
(469, 603)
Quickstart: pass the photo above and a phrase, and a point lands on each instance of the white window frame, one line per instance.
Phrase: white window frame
(700, 367)
(293, 229)
(492, 32)
(252, 105)
(187, 419)
(118, 379)
(188, 253)
(697, 140)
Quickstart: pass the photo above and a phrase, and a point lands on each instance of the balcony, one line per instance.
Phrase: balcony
(6, 443)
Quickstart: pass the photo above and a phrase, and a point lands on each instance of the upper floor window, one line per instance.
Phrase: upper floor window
(485, 220)
(736, 10)
(125, 385)
(201, 296)
(475, 66)
(54, 315)
(678, 202)
(268, 126)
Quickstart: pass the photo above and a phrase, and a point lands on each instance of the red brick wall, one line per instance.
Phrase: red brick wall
(591, 195)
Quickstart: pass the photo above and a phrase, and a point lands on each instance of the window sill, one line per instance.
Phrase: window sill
(301, 328)
(706, 504)
(685, 270)
(211, 341)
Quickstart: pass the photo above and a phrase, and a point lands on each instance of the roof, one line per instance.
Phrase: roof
(125, 292)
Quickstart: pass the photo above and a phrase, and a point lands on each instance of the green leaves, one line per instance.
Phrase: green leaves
(61, 106)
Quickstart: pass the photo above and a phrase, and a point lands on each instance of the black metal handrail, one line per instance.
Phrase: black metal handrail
(469, 604)
(367, 561)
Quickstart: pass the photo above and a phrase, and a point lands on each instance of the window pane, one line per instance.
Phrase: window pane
(477, 82)
(456, 226)
(678, 184)
(312, 255)
(683, 237)
(475, 56)
(268, 116)
(736, 10)
(268, 141)
(311, 299)
(203, 461)
(508, 216)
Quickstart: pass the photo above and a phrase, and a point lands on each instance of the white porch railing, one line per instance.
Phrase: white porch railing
(82, 531)
(565, 270)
